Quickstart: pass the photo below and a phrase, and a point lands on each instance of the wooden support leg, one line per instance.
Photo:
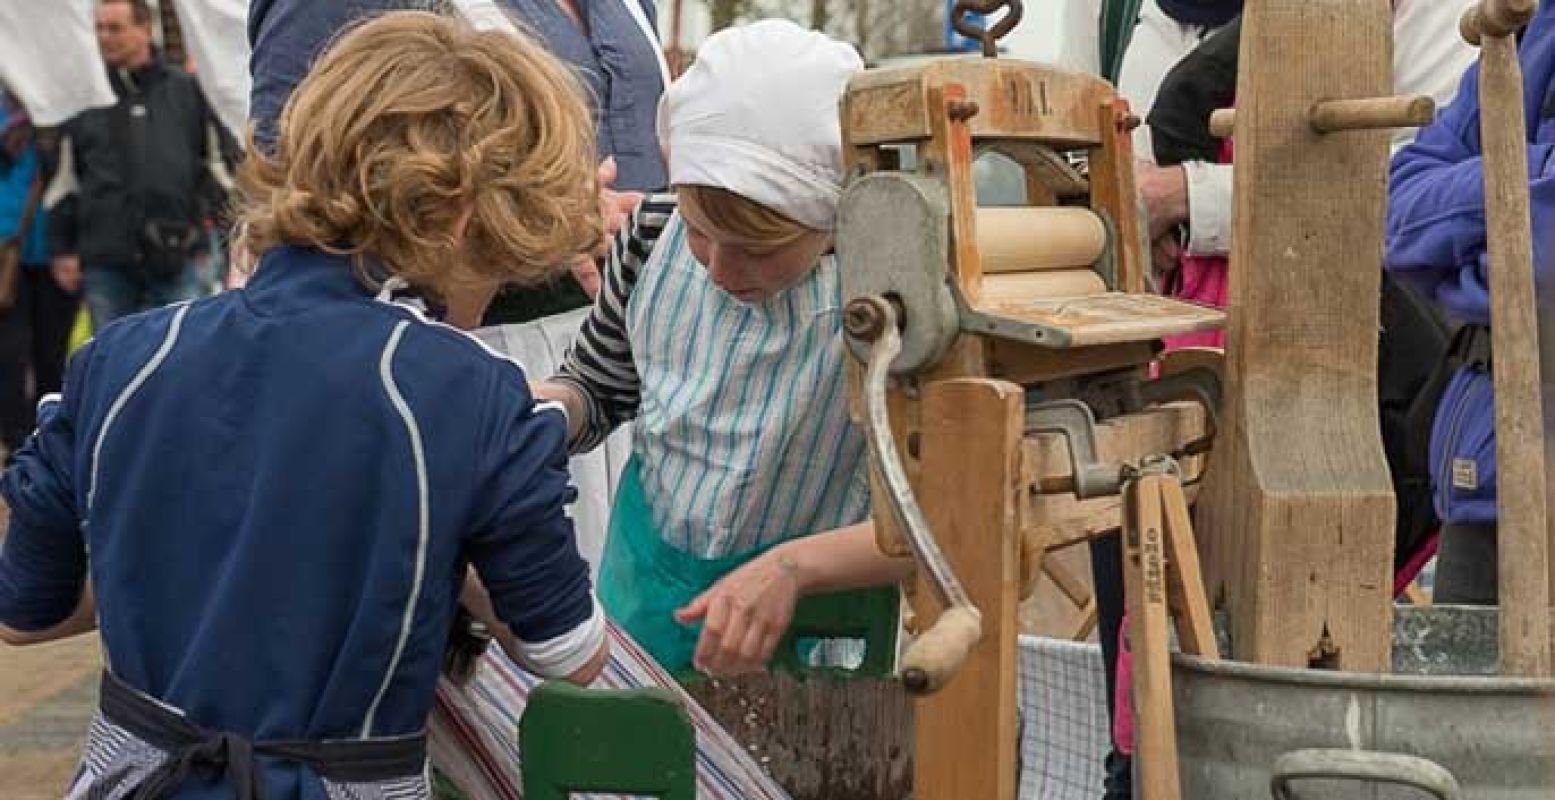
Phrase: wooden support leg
(1089, 616)
(1144, 567)
(966, 737)
(1185, 581)
(1068, 583)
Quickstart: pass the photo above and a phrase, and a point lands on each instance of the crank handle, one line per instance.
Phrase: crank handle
(935, 657)
(939, 652)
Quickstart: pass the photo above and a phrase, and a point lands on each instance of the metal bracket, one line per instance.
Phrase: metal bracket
(893, 233)
(1073, 420)
(1115, 394)
(974, 321)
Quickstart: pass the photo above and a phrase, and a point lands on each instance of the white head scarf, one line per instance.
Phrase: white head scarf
(757, 114)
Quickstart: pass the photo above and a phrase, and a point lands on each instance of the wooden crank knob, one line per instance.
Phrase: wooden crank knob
(1495, 18)
(933, 658)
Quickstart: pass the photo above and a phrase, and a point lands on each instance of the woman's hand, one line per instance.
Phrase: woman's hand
(1165, 191)
(615, 207)
(745, 614)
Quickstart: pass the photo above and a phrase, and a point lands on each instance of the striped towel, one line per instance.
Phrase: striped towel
(473, 732)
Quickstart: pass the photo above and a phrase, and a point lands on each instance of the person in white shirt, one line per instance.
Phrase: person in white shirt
(1429, 57)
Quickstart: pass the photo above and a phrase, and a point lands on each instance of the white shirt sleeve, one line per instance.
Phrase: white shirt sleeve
(563, 655)
(216, 32)
(1209, 208)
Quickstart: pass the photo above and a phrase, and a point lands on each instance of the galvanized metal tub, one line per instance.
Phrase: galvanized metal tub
(1247, 731)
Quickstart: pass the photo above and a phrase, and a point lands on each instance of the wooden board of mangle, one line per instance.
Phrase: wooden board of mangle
(1111, 318)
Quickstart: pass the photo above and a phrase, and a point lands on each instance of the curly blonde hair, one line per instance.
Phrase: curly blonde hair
(413, 124)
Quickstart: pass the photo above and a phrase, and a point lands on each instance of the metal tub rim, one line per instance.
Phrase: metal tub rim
(1390, 682)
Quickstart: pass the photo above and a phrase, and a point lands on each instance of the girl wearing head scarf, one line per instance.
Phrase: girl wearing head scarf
(719, 330)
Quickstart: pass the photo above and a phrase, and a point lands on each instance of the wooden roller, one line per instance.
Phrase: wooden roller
(1033, 239)
(1020, 287)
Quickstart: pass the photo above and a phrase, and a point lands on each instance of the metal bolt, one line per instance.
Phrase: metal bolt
(961, 110)
(863, 320)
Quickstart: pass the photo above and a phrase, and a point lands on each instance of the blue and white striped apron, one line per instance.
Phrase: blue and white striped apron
(742, 440)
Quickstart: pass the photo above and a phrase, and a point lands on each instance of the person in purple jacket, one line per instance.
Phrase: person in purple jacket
(1436, 240)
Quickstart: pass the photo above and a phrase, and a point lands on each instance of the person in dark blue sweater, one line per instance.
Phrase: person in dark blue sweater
(611, 45)
(269, 501)
(1436, 239)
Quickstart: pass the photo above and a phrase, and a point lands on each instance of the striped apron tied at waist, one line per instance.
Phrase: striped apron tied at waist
(191, 749)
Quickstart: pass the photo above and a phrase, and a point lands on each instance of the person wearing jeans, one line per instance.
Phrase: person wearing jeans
(118, 290)
(137, 180)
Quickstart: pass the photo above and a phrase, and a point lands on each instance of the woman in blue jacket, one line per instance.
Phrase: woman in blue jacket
(1436, 239)
(275, 495)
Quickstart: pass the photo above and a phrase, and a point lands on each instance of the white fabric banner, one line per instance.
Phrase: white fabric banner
(49, 58)
(216, 33)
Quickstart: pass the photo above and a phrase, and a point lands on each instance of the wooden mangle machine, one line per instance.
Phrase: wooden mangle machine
(993, 340)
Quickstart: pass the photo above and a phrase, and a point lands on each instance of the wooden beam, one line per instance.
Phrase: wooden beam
(1521, 525)
(1298, 524)
(966, 733)
(1113, 191)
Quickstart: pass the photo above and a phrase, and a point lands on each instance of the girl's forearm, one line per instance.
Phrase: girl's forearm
(845, 558)
(558, 392)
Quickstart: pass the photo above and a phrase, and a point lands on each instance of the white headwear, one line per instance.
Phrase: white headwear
(757, 114)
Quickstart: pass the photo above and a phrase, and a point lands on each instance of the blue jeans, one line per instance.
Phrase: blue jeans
(114, 291)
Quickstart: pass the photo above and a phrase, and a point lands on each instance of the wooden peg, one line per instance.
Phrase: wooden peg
(1356, 114)
(1371, 113)
(1222, 122)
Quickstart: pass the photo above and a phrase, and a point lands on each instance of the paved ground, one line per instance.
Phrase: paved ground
(47, 694)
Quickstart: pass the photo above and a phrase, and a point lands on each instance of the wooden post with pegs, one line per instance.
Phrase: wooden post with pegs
(1523, 535)
(1296, 520)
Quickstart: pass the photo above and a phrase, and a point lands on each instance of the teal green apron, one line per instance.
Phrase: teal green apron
(643, 581)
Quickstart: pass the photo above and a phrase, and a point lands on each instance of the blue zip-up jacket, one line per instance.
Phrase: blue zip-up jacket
(280, 489)
(1436, 239)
